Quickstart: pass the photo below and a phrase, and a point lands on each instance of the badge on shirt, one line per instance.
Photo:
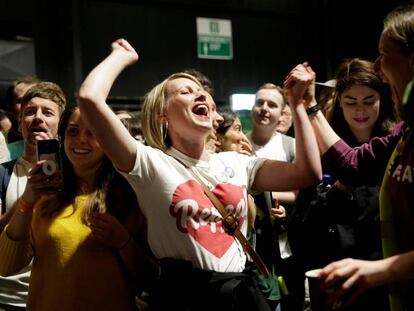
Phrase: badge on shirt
(229, 171)
(222, 177)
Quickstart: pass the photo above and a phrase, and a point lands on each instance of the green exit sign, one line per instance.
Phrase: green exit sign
(214, 38)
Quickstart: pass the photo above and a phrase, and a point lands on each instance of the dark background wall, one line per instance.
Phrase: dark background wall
(269, 38)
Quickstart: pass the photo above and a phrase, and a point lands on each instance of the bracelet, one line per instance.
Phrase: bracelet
(313, 109)
(125, 243)
(24, 206)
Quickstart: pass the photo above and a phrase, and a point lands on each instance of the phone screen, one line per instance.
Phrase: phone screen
(48, 150)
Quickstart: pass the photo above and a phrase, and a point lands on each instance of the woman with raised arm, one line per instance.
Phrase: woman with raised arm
(185, 230)
(368, 164)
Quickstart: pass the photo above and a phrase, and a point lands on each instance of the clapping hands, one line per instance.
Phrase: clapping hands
(299, 84)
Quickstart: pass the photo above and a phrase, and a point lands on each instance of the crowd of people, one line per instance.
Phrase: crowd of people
(175, 207)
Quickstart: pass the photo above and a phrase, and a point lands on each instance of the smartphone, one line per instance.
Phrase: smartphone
(49, 150)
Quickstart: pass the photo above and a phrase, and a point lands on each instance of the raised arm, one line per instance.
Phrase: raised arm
(306, 170)
(324, 133)
(111, 134)
(352, 166)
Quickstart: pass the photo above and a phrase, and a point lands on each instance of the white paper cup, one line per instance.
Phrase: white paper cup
(317, 296)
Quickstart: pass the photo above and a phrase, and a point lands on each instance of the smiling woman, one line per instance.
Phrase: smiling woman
(191, 117)
(362, 105)
(89, 232)
(81, 148)
(230, 133)
(344, 220)
(383, 160)
(186, 232)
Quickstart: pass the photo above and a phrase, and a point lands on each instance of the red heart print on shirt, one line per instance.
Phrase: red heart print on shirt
(197, 216)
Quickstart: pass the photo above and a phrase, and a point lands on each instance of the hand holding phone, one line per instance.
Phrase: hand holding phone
(49, 150)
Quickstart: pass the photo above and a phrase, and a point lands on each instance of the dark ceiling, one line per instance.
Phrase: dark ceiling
(269, 37)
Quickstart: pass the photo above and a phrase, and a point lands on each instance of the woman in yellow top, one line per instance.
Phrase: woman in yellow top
(87, 241)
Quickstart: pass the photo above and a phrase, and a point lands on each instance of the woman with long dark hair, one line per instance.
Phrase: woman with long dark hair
(84, 231)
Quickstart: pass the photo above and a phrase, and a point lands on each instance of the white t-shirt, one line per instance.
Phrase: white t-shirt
(4, 150)
(274, 150)
(182, 221)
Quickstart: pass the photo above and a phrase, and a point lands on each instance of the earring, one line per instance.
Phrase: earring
(165, 130)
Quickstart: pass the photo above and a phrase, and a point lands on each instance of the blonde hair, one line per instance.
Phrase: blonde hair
(153, 111)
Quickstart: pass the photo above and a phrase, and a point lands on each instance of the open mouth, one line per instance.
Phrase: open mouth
(201, 110)
(80, 151)
(263, 118)
(37, 130)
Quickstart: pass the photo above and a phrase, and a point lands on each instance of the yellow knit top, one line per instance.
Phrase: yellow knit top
(71, 271)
